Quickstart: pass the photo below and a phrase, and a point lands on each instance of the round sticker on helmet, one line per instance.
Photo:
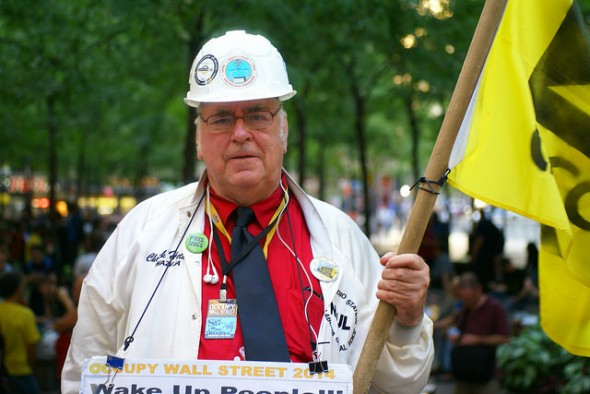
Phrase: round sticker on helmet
(206, 70)
(239, 71)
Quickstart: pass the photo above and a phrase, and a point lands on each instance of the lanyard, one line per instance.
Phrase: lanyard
(268, 231)
(131, 337)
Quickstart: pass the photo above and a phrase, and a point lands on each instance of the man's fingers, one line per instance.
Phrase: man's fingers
(386, 257)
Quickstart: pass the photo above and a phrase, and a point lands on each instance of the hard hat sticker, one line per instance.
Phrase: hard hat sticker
(206, 70)
(239, 71)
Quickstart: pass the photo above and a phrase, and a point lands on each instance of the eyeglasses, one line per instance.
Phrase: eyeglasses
(257, 120)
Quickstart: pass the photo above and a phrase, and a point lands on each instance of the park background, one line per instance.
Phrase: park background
(91, 104)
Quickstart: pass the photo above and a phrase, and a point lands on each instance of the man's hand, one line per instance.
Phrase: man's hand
(404, 283)
(470, 339)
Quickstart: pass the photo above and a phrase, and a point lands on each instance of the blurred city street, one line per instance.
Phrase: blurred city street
(518, 232)
(438, 387)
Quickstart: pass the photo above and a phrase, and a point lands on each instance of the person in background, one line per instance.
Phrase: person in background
(481, 322)
(441, 275)
(93, 242)
(5, 265)
(19, 333)
(71, 233)
(485, 251)
(530, 291)
(510, 284)
(444, 327)
(246, 227)
(64, 325)
(42, 278)
(34, 235)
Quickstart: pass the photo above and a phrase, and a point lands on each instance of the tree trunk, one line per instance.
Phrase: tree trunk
(321, 169)
(52, 164)
(190, 159)
(415, 130)
(141, 171)
(359, 126)
(188, 170)
(81, 167)
(301, 134)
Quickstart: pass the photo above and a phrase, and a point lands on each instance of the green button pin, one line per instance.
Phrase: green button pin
(196, 243)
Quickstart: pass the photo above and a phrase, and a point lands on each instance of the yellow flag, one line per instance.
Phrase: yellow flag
(524, 145)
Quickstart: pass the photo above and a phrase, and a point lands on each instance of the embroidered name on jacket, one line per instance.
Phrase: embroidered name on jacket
(343, 319)
(165, 258)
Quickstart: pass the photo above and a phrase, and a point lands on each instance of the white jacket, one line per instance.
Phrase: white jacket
(128, 268)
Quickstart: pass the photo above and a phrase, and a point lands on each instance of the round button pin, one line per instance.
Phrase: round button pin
(196, 243)
(324, 269)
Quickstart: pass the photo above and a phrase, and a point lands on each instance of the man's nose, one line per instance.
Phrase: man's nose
(240, 132)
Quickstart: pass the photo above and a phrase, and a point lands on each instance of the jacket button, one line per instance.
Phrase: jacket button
(195, 316)
(188, 213)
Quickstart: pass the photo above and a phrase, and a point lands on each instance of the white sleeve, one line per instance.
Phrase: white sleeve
(404, 365)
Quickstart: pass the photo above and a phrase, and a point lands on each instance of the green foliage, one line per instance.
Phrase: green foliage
(117, 72)
(577, 376)
(532, 363)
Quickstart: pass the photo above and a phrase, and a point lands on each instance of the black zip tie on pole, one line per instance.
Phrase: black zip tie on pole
(429, 182)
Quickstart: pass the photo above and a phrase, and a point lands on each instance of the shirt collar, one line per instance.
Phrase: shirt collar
(263, 210)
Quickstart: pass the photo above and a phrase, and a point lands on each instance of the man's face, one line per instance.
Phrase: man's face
(36, 255)
(243, 164)
(469, 296)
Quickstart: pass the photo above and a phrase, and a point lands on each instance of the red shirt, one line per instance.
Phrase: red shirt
(285, 274)
(487, 319)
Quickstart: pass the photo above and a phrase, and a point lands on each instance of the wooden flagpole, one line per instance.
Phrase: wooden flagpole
(435, 170)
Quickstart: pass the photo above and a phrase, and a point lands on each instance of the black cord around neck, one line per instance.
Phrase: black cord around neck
(131, 337)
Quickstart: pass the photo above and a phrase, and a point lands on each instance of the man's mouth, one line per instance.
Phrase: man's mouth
(241, 156)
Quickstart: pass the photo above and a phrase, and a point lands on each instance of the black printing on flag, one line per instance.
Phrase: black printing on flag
(565, 63)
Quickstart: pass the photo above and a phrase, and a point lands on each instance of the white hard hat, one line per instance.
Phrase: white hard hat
(238, 66)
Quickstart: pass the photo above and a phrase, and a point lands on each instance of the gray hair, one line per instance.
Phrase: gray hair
(469, 280)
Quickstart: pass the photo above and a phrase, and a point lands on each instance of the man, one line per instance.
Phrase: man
(485, 250)
(323, 270)
(19, 334)
(5, 265)
(483, 326)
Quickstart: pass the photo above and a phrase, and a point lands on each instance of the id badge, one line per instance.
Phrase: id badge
(222, 319)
